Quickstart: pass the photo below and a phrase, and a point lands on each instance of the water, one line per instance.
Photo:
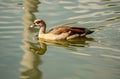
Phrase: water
(23, 57)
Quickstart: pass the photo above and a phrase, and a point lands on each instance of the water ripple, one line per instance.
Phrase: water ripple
(3, 37)
(10, 32)
(106, 48)
(110, 56)
(65, 2)
(82, 54)
(93, 15)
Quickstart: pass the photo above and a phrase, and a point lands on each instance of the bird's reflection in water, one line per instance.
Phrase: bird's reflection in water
(69, 44)
(38, 48)
(31, 60)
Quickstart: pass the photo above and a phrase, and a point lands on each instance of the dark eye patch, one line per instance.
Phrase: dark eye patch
(38, 22)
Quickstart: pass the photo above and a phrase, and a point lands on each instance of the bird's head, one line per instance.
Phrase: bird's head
(38, 22)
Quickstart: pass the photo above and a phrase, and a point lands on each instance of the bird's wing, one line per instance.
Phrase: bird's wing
(59, 30)
(77, 30)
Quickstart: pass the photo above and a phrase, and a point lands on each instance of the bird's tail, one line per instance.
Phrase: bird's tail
(87, 31)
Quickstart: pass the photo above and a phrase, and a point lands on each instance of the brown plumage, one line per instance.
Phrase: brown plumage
(60, 32)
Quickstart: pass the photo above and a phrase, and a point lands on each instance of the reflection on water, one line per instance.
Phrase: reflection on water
(32, 50)
(31, 60)
(69, 43)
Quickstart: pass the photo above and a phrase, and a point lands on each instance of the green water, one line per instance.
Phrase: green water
(23, 57)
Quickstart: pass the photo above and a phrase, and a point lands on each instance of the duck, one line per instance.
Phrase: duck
(63, 32)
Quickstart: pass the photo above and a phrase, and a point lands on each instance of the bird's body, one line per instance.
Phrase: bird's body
(60, 32)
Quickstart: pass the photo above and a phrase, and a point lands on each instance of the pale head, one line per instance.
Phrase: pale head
(38, 22)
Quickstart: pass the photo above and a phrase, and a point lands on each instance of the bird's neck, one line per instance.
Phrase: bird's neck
(42, 29)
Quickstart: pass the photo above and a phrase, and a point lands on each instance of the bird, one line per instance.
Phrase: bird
(63, 32)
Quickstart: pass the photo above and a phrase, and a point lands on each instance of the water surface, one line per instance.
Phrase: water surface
(23, 57)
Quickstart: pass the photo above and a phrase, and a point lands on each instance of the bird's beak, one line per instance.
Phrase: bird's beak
(33, 25)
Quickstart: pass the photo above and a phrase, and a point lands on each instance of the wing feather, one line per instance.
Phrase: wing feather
(59, 30)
